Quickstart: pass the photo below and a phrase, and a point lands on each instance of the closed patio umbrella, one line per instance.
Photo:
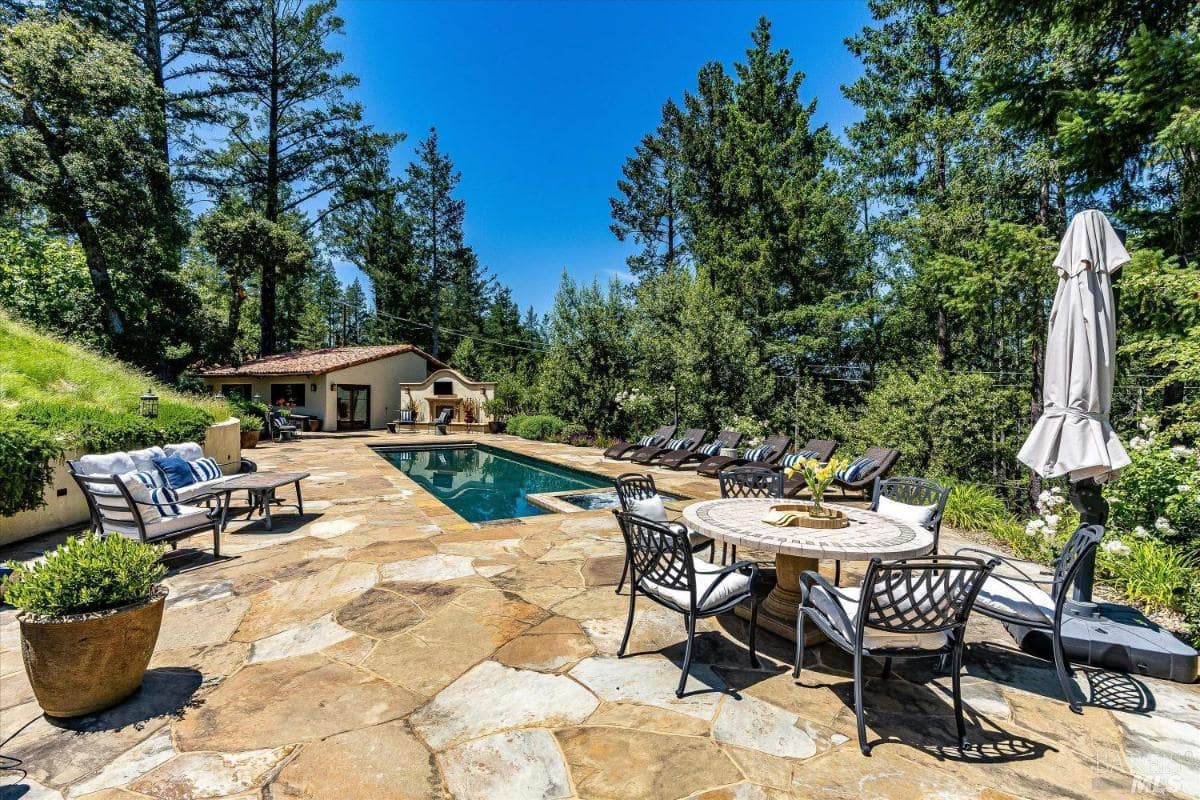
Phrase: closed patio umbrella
(1073, 437)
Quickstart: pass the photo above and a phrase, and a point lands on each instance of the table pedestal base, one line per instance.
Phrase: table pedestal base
(779, 610)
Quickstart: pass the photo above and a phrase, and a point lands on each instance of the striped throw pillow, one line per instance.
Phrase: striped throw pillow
(407, 415)
(646, 441)
(674, 444)
(681, 444)
(165, 499)
(809, 454)
(793, 459)
(712, 449)
(759, 453)
(856, 469)
(205, 469)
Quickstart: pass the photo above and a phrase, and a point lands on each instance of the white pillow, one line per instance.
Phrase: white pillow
(136, 483)
(143, 460)
(107, 464)
(651, 508)
(918, 515)
(189, 450)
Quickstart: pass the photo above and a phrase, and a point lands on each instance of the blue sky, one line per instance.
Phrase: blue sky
(539, 104)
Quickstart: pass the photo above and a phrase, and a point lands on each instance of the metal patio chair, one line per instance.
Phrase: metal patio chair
(915, 608)
(748, 482)
(634, 487)
(663, 568)
(1020, 599)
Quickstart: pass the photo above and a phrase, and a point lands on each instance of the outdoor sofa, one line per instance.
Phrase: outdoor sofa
(125, 493)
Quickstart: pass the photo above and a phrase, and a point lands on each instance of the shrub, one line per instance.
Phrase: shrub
(538, 426)
(103, 431)
(1151, 573)
(250, 414)
(27, 456)
(972, 507)
(1159, 492)
(934, 418)
(85, 574)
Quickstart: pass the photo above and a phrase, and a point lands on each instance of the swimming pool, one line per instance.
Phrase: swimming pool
(482, 483)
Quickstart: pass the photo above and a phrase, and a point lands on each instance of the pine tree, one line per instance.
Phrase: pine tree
(293, 136)
(650, 209)
(437, 219)
(355, 314)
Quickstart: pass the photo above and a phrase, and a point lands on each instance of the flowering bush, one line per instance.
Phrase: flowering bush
(1158, 495)
(1054, 524)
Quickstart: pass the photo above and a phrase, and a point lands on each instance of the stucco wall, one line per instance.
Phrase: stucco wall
(65, 504)
(462, 388)
(384, 376)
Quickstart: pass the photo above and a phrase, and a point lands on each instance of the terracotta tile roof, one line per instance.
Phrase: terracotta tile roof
(315, 362)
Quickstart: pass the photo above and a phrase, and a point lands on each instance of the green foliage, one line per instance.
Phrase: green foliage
(85, 574)
(588, 361)
(1152, 573)
(943, 423)
(44, 280)
(544, 427)
(78, 117)
(971, 507)
(1158, 494)
(27, 456)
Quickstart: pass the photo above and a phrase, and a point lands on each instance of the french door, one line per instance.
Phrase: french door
(353, 407)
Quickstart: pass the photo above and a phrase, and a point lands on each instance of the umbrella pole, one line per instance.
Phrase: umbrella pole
(1088, 500)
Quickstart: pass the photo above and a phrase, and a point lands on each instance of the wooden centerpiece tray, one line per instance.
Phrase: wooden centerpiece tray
(799, 515)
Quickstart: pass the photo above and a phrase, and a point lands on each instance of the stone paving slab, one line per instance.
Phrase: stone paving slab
(382, 647)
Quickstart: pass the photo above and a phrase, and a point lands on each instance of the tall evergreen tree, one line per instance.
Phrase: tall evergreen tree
(650, 209)
(293, 136)
(437, 219)
(78, 122)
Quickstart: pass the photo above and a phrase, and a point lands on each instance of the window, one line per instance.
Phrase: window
(287, 394)
(239, 390)
(443, 387)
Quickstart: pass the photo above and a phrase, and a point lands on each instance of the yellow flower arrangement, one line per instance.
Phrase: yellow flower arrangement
(818, 476)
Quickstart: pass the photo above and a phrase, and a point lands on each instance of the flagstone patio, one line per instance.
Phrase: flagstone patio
(382, 647)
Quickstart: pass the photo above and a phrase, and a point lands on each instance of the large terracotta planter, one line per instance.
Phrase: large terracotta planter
(85, 663)
(249, 440)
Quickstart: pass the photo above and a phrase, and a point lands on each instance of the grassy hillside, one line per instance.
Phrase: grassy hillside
(56, 395)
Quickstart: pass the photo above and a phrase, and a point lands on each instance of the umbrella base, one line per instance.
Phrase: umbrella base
(1119, 638)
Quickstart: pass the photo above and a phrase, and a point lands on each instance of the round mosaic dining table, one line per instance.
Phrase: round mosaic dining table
(797, 549)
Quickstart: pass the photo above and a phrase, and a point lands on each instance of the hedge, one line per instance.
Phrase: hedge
(536, 426)
(27, 458)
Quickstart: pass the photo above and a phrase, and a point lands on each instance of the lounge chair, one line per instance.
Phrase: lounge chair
(279, 428)
(443, 420)
(765, 455)
(624, 449)
(406, 420)
(820, 449)
(690, 441)
(884, 459)
(681, 458)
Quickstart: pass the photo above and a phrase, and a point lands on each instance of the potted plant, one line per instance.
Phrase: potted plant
(470, 409)
(498, 411)
(90, 615)
(251, 429)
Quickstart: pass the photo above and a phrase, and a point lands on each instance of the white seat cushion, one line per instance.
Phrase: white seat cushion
(1015, 599)
(918, 515)
(200, 487)
(731, 585)
(874, 638)
(189, 516)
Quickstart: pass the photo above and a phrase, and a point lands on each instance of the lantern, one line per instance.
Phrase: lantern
(149, 403)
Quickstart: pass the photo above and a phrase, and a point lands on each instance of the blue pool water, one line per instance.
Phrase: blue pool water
(483, 483)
